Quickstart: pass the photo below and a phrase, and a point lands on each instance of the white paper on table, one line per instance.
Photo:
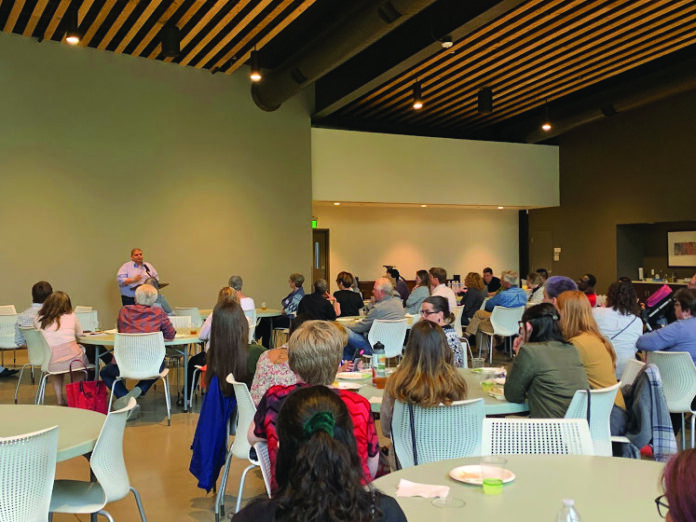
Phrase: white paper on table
(114, 331)
(375, 400)
(407, 488)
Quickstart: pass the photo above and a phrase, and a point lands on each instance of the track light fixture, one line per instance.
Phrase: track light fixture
(417, 96)
(170, 35)
(546, 126)
(72, 31)
(255, 73)
(485, 100)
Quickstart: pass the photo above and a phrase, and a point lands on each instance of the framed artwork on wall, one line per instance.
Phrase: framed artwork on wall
(681, 248)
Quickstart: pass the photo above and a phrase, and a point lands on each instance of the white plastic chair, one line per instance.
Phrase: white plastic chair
(391, 333)
(261, 449)
(679, 384)
(505, 324)
(7, 335)
(240, 446)
(40, 355)
(458, 311)
(27, 470)
(88, 319)
(139, 356)
(179, 322)
(193, 312)
(109, 468)
(631, 371)
(8, 310)
(253, 321)
(536, 437)
(601, 403)
(442, 432)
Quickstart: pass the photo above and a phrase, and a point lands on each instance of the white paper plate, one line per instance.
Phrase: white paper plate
(347, 319)
(347, 385)
(354, 376)
(499, 369)
(472, 475)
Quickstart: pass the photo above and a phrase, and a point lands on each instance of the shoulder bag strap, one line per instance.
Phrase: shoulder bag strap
(624, 328)
(413, 433)
(589, 403)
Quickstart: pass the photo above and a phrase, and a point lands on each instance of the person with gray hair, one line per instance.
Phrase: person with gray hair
(247, 303)
(320, 304)
(141, 317)
(386, 307)
(160, 301)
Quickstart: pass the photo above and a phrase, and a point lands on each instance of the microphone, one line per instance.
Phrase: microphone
(147, 269)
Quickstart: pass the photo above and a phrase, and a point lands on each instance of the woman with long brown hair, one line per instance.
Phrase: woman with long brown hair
(60, 327)
(474, 296)
(596, 352)
(426, 376)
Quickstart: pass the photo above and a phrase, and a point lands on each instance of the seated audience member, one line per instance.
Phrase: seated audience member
(314, 354)
(289, 304)
(678, 504)
(436, 310)
(547, 370)
(679, 336)
(544, 275)
(620, 322)
(247, 303)
(320, 304)
(273, 368)
(492, 283)
(350, 302)
(60, 327)
(473, 298)
(395, 292)
(692, 283)
(142, 317)
(586, 284)
(512, 296)
(425, 376)
(438, 285)
(229, 353)
(39, 292)
(419, 292)
(386, 307)
(535, 285)
(555, 286)
(161, 301)
(400, 285)
(318, 471)
(596, 352)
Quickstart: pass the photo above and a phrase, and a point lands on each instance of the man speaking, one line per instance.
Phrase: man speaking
(133, 274)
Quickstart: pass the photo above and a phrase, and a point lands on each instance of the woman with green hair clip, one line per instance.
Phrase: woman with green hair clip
(318, 470)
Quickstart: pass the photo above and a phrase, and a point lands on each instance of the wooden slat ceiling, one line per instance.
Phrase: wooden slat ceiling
(216, 35)
(543, 49)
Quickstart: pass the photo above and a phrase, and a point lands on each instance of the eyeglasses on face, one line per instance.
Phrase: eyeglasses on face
(427, 312)
(662, 506)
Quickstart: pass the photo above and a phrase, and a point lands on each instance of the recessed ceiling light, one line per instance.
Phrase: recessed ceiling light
(500, 208)
(546, 126)
(423, 206)
(337, 204)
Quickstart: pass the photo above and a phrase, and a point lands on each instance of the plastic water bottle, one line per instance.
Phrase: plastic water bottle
(568, 513)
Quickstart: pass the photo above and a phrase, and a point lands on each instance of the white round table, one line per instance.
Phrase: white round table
(604, 489)
(78, 429)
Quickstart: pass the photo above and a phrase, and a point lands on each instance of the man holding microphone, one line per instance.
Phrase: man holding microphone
(133, 274)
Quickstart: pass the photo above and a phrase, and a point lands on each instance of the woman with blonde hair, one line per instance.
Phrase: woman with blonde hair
(426, 376)
(596, 352)
(60, 327)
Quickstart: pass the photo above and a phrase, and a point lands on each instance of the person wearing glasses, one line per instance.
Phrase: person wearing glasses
(679, 336)
(678, 504)
(547, 370)
(436, 310)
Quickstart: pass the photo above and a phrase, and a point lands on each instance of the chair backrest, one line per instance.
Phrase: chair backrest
(601, 403)
(88, 318)
(7, 330)
(180, 322)
(80, 309)
(191, 311)
(8, 310)
(265, 464)
(245, 416)
(631, 370)
(458, 311)
(27, 471)
(504, 320)
(37, 348)
(251, 317)
(678, 378)
(442, 432)
(139, 355)
(107, 460)
(536, 437)
(390, 333)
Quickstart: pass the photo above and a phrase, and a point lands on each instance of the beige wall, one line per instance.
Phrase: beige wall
(362, 239)
(345, 165)
(103, 152)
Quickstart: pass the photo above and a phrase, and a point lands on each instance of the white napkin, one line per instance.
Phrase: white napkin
(414, 489)
(375, 400)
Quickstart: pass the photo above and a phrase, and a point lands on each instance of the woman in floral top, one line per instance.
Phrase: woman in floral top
(436, 310)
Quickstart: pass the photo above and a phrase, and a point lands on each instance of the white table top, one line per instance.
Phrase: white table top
(105, 339)
(78, 429)
(473, 380)
(268, 312)
(604, 488)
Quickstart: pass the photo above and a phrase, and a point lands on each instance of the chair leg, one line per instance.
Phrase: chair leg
(42, 389)
(139, 501)
(19, 381)
(693, 427)
(106, 515)
(220, 497)
(241, 487)
(683, 434)
(167, 399)
(193, 388)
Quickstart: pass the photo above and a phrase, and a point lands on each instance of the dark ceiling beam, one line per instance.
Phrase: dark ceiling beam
(347, 38)
(388, 59)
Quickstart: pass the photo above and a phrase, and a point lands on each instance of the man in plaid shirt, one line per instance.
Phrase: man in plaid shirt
(141, 317)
